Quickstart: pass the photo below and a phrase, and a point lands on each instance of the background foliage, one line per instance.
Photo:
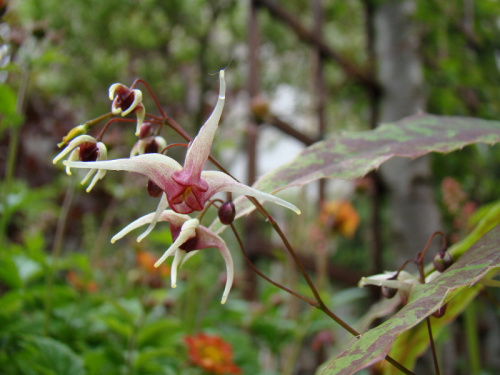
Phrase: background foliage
(73, 303)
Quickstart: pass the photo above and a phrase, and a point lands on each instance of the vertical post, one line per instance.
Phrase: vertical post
(319, 82)
(251, 224)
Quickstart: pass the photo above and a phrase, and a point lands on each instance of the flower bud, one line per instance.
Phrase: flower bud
(442, 261)
(73, 133)
(146, 130)
(440, 312)
(227, 212)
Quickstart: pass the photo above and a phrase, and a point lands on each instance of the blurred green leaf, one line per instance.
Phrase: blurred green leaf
(9, 118)
(44, 355)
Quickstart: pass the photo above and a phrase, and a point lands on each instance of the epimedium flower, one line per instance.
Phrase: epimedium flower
(127, 101)
(188, 238)
(186, 188)
(87, 149)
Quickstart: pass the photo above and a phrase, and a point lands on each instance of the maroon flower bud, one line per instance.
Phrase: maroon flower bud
(146, 130)
(153, 189)
(440, 312)
(442, 261)
(227, 212)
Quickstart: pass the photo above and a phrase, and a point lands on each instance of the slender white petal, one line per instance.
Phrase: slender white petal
(168, 215)
(199, 150)
(88, 175)
(229, 271)
(162, 206)
(173, 271)
(72, 157)
(133, 225)
(99, 176)
(219, 181)
(141, 114)
(150, 165)
(188, 230)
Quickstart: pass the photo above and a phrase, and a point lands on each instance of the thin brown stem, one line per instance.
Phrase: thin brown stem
(420, 266)
(433, 346)
(256, 270)
(428, 244)
(105, 127)
(153, 96)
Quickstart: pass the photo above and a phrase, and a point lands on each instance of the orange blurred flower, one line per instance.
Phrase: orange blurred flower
(81, 284)
(211, 353)
(146, 262)
(339, 217)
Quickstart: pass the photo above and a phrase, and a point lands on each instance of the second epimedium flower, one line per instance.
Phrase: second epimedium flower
(188, 237)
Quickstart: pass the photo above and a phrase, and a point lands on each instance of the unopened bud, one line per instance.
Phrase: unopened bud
(146, 130)
(73, 133)
(440, 312)
(442, 261)
(227, 212)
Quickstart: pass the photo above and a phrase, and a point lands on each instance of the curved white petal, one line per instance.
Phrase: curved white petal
(167, 215)
(112, 90)
(88, 175)
(173, 271)
(133, 225)
(73, 156)
(219, 181)
(141, 114)
(229, 271)
(162, 206)
(188, 230)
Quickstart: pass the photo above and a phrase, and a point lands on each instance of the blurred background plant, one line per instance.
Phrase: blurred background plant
(70, 302)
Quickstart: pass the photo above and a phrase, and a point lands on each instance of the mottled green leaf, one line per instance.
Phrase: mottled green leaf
(373, 345)
(352, 155)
